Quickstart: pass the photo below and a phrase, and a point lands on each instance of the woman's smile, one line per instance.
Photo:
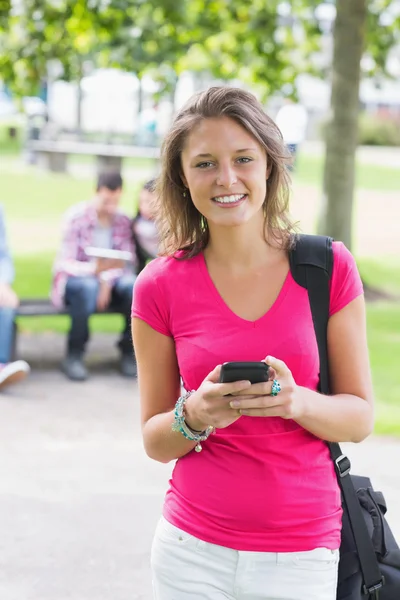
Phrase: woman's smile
(229, 201)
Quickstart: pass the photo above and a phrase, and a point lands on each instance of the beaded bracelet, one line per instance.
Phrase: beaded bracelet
(180, 425)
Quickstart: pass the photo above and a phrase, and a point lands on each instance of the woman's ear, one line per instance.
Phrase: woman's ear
(184, 180)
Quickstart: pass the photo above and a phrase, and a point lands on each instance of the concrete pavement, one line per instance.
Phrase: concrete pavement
(78, 497)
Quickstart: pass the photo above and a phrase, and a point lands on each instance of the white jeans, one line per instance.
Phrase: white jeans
(185, 568)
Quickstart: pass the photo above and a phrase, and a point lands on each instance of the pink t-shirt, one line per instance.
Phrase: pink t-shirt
(261, 484)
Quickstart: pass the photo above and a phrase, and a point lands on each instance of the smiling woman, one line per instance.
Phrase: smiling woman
(241, 520)
(217, 144)
(231, 177)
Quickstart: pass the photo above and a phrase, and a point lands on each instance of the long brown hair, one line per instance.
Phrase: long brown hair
(181, 226)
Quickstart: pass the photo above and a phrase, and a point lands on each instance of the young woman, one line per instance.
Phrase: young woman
(253, 510)
(144, 227)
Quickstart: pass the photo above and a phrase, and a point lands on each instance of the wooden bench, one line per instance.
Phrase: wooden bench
(41, 307)
(38, 307)
(53, 155)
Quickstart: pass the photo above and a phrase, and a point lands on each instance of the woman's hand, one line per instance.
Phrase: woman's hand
(257, 400)
(209, 405)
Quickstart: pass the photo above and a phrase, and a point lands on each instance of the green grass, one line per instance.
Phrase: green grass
(382, 274)
(309, 170)
(38, 195)
(384, 346)
(10, 146)
(383, 321)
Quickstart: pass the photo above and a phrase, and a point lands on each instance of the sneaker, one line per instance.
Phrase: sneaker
(74, 368)
(128, 366)
(12, 372)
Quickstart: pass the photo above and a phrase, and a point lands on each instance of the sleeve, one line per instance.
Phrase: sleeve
(6, 264)
(149, 302)
(126, 240)
(346, 284)
(66, 261)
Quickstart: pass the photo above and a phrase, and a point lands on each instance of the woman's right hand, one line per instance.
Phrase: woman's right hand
(209, 405)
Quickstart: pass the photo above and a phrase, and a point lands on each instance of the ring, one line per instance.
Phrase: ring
(276, 388)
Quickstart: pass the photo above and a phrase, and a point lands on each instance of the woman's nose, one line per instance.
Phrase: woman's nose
(226, 176)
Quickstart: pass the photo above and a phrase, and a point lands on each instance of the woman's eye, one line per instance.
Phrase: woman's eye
(203, 165)
(244, 159)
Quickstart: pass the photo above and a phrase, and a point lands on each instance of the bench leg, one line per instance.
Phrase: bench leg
(53, 161)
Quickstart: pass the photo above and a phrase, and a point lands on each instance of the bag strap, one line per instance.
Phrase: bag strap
(311, 264)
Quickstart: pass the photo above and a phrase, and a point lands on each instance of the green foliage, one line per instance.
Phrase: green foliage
(379, 131)
(241, 41)
(5, 9)
(41, 32)
(250, 40)
(382, 33)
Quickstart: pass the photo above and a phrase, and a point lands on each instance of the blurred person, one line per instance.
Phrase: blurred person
(148, 124)
(253, 509)
(292, 119)
(85, 285)
(144, 226)
(10, 371)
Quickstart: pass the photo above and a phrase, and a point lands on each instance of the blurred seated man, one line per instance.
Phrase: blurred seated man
(85, 284)
(10, 371)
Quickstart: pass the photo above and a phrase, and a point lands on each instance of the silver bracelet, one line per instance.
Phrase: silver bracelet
(180, 425)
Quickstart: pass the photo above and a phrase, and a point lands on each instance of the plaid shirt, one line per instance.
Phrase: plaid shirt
(79, 224)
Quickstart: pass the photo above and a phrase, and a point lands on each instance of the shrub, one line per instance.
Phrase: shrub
(374, 130)
(378, 130)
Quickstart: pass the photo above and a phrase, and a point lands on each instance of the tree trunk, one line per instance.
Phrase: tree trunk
(342, 131)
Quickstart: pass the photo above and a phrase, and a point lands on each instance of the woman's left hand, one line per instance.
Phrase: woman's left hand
(258, 401)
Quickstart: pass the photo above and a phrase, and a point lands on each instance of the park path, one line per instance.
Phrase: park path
(79, 499)
(376, 220)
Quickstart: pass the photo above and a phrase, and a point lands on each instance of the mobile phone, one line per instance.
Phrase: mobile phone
(255, 372)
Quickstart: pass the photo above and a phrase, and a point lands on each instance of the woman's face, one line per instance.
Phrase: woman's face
(146, 199)
(226, 170)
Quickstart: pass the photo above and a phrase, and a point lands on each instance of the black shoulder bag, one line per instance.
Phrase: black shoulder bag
(369, 567)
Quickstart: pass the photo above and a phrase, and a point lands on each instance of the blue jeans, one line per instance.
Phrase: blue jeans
(6, 333)
(80, 300)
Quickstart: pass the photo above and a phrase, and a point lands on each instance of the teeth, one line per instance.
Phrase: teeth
(228, 199)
